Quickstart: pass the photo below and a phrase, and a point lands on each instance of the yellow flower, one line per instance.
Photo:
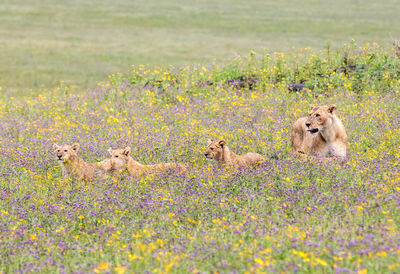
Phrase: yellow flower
(259, 261)
(120, 269)
(103, 267)
(321, 262)
(132, 257)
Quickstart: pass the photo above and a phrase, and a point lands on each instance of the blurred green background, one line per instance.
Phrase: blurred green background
(80, 42)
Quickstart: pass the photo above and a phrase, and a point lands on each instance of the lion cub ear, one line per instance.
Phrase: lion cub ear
(110, 150)
(331, 108)
(75, 146)
(313, 108)
(55, 146)
(222, 143)
(127, 151)
(209, 142)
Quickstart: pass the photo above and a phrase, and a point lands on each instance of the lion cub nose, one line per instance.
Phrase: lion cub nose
(308, 124)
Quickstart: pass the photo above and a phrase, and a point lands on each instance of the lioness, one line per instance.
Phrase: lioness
(219, 151)
(74, 166)
(121, 159)
(321, 133)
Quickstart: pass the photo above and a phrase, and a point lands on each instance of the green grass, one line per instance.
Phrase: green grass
(44, 42)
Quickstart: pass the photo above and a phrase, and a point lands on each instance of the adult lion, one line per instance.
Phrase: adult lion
(321, 133)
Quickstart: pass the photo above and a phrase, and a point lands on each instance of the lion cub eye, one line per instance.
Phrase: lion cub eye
(317, 115)
(211, 148)
(116, 156)
(65, 150)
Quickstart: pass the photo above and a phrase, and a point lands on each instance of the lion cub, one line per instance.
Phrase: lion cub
(121, 159)
(74, 166)
(320, 133)
(219, 151)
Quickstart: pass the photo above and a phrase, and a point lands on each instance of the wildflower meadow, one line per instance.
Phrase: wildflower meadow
(285, 215)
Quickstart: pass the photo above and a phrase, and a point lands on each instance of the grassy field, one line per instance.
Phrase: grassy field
(80, 42)
(283, 216)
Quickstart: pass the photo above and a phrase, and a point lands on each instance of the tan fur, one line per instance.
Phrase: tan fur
(121, 160)
(219, 151)
(321, 133)
(74, 166)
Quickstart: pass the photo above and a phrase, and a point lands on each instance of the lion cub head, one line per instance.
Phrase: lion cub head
(214, 149)
(119, 157)
(320, 118)
(65, 152)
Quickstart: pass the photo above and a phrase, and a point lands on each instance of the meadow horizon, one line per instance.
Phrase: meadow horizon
(45, 42)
